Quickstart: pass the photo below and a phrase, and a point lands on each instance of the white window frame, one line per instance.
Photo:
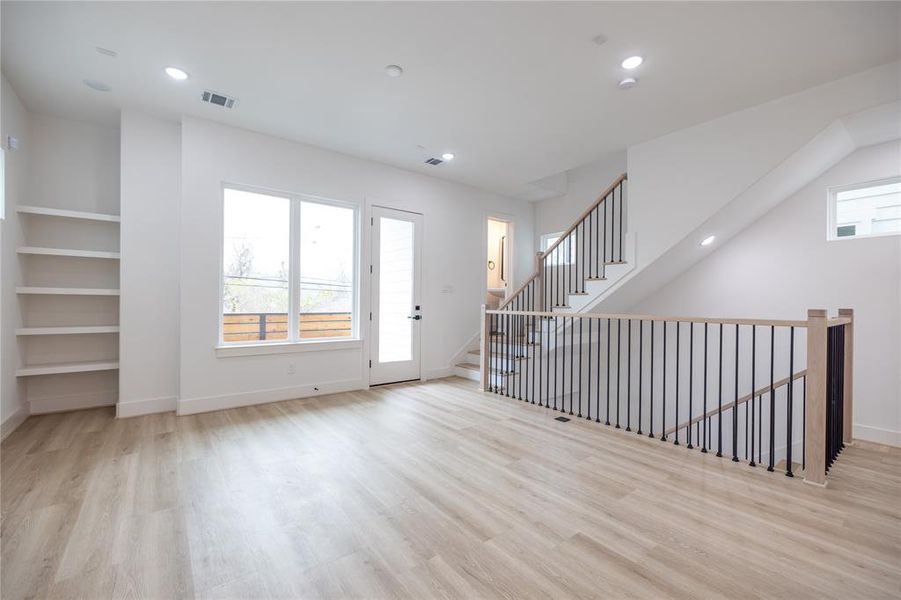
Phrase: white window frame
(831, 207)
(293, 343)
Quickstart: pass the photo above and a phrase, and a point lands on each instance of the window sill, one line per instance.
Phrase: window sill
(226, 350)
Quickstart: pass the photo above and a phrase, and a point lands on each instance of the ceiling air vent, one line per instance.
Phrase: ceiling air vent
(433, 161)
(218, 99)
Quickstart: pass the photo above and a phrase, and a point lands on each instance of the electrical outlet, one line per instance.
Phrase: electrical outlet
(292, 369)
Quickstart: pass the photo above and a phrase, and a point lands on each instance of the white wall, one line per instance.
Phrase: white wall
(583, 186)
(782, 265)
(13, 121)
(148, 315)
(453, 260)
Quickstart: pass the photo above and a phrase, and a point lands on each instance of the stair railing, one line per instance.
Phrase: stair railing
(582, 252)
(749, 389)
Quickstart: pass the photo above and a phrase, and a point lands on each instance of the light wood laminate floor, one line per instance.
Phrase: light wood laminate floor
(423, 491)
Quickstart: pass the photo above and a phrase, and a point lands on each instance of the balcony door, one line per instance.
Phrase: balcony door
(396, 305)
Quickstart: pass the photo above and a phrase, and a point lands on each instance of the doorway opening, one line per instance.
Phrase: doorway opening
(497, 266)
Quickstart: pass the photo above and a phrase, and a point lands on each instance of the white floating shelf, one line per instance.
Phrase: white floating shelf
(66, 252)
(67, 330)
(68, 214)
(73, 367)
(67, 291)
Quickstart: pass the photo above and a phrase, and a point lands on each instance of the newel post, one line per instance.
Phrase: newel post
(815, 446)
(848, 391)
(539, 268)
(484, 373)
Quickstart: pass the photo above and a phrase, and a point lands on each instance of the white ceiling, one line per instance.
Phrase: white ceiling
(518, 90)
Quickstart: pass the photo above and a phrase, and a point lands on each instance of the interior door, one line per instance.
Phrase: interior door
(396, 306)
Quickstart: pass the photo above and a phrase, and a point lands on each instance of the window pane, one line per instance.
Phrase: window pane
(395, 290)
(255, 266)
(326, 270)
(866, 210)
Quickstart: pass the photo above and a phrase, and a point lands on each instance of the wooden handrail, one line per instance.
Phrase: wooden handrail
(760, 392)
(586, 212)
(838, 321)
(626, 317)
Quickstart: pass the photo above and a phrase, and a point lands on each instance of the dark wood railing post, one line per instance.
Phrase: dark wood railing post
(262, 326)
(815, 446)
(847, 417)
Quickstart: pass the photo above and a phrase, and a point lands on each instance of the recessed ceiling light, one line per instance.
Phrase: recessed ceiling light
(708, 240)
(632, 62)
(448, 156)
(394, 70)
(628, 82)
(176, 73)
(97, 85)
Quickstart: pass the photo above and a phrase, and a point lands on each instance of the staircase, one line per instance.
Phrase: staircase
(760, 391)
(574, 272)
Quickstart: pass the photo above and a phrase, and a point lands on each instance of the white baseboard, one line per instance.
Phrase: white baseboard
(190, 406)
(73, 402)
(13, 421)
(437, 373)
(148, 406)
(877, 435)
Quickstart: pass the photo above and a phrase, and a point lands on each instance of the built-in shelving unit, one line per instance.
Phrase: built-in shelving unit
(57, 234)
(68, 330)
(71, 367)
(66, 291)
(67, 252)
(67, 214)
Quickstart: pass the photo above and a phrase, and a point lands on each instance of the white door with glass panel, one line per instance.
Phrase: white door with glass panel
(396, 308)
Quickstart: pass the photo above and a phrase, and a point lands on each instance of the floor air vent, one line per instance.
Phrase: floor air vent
(433, 161)
(562, 419)
(218, 99)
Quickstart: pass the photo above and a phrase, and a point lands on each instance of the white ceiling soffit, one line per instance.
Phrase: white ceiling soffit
(831, 145)
(518, 91)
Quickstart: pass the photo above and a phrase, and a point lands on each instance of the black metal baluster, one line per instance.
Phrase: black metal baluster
(597, 401)
(629, 377)
(663, 410)
(604, 254)
(771, 465)
(640, 369)
(789, 403)
(735, 404)
(563, 369)
(619, 371)
(572, 361)
(505, 365)
(588, 395)
(651, 386)
(753, 389)
(607, 421)
(678, 329)
(581, 359)
(719, 410)
(704, 413)
(620, 186)
(691, 379)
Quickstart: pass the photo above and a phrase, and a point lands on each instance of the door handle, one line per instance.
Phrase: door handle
(415, 317)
